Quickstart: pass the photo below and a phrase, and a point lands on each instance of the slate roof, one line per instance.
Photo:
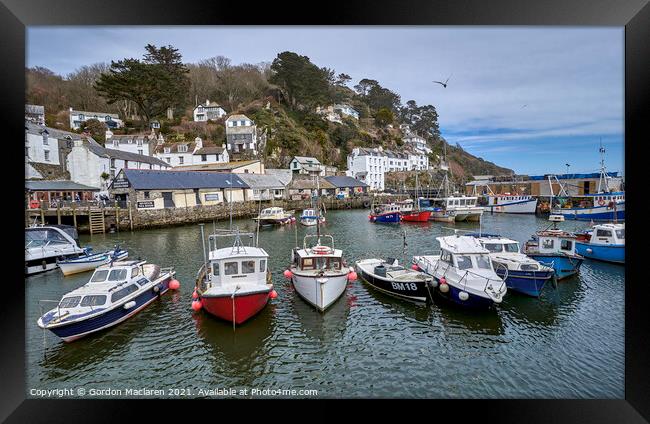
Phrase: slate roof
(57, 185)
(306, 159)
(345, 181)
(92, 114)
(284, 175)
(209, 150)
(173, 147)
(262, 181)
(53, 132)
(310, 184)
(144, 179)
(215, 166)
(97, 149)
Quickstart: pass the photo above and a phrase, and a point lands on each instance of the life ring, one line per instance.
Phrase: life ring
(610, 205)
(601, 202)
(321, 250)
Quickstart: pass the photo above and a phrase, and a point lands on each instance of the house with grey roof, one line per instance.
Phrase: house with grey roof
(306, 165)
(142, 144)
(186, 153)
(264, 186)
(208, 111)
(45, 150)
(241, 134)
(347, 186)
(78, 117)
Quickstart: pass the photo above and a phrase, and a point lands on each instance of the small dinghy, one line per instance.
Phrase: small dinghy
(114, 293)
(389, 277)
(89, 261)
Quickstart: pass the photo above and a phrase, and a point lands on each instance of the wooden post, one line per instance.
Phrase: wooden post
(58, 213)
(117, 217)
(74, 214)
(42, 214)
(130, 217)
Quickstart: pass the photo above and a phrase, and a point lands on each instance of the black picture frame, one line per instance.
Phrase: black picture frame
(634, 15)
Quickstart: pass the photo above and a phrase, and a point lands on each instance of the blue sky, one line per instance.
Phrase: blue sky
(527, 98)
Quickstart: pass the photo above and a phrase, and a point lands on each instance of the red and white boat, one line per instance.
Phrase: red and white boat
(410, 214)
(234, 283)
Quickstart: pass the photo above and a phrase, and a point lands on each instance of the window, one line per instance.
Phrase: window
(122, 293)
(335, 263)
(146, 194)
(126, 163)
(117, 275)
(620, 233)
(166, 150)
(139, 142)
(139, 151)
(512, 247)
(45, 140)
(494, 247)
(70, 302)
(262, 265)
(46, 153)
(247, 267)
(99, 276)
(82, 116)
(93, 300)
(182, 148)
(26, 151)
(308, 263)
(169, 160)
(204, 158)
(112, 162)
(108, 118)
(231, 268)
(483, 262)
(135, 271)
(603, 233)
(464, 262)
(565, 244)
(529, 267)
(215, 269)
(181, 160)
(547, 244)
(445, 257)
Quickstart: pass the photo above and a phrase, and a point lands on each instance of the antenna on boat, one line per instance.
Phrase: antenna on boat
(230, 201)
(603, 174)
(259, 212)
(205, 258)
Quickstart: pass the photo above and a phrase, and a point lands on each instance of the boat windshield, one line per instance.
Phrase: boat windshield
(494, 247)
(464, 262)
(512, 247)
(43, 236)
(117, 275)
(69, 302)
(483, 262)
(620, 233)
(99, 276)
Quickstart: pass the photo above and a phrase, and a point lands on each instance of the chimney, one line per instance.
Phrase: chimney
(223, 146)
(207, 102)
(161, 140)
(198, 142)
(108, 135)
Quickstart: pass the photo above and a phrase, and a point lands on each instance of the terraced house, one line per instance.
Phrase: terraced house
(183, 153)
(78, 117)
(241, 134)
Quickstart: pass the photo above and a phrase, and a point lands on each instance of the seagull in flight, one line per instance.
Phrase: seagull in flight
(524, 106)
(444, 84)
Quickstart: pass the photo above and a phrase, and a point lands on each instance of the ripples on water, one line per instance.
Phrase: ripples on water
(567, 344)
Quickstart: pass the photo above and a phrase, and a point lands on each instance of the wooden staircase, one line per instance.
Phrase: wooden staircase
(96, 221)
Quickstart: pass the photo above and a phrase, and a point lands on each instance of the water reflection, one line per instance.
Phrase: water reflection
(325, 326)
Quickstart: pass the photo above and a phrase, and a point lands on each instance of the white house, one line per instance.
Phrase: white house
(208, 110)
(330, 114)
(190, 153)
(241, 134)
(397, 161)
(141, 144)
(306, 165)
(368, 165)
(43, 146)
(88, 161)
(35, 114)
(77, 117)
(345, 109)
(418, 161)
(416, 142)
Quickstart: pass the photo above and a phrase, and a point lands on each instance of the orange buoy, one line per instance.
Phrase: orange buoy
(288, 274)
(196, 305)
(414, 267)
(195, 295)
(273, 294)
(352, 276)
(174, 284)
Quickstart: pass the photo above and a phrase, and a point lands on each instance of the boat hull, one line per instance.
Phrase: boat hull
(113, 317)
(320, 295)
(36, 266)
(608, 253)
(473, 301)
(415, 291)
(530, 283)
(520, 207)
(564, 266)
(598, 213)
(461, 216)
(77, 265)
(392, 217)
(416, 216)
(246, 305)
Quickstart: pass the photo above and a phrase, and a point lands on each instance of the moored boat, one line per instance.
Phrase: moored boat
(464, 272)
(604, 242)
(385, 213)
(275, 216)
(555, 248)
(114, 293)
(234, 283)
(520, 272)
(507, 203)
(89, 261)
(410, 214)
(389, 277)
(47, 244)
(309, 218)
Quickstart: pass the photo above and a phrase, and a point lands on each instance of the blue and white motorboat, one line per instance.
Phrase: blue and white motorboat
(463, 272)
(605, 242)
(114, 293)
(388, 213)
(506, 203)
(89, 261)
(520, 272)
(310, 217)
(555, 248)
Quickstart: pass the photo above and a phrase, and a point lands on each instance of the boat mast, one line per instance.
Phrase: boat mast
(318, 209)
(603, 174)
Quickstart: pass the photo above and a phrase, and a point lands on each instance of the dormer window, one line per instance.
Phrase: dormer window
(82, 116)
(108, 118)
(182, 148)
(167, 150)
(139, 142)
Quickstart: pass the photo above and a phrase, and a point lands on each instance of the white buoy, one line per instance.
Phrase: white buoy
(463, 296)
(444, 288)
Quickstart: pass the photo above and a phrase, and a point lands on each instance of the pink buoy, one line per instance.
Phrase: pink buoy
(195, 295)
(273, 294)
(196, 305)
(352, 276)
(174, 284)
(443, 280)
(414, 267)
(288, 274)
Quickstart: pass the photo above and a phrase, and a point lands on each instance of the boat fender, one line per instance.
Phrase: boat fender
(174, 284)
(444, 287)
(414, 267)
(129, 305)
(433, 283)
(352, 276)
(196, 305)
(288, 274)
(273, 294)
(156, 289)
(463, 296)
(195, 295)
(443, 280)
(589, 250)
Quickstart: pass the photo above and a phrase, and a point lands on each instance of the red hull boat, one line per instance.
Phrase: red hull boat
(243, 306)
(416, 216)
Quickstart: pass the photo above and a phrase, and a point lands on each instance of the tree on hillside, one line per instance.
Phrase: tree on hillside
(376, 96)
(384, 116)
(364, 86)
(342, 79)
(46, 88)
(422, 119)
(96, 129)
(304, 83)
(157, 82)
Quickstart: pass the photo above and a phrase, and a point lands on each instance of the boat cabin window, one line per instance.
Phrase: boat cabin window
(464, 262)
(566, 244)
(512, 247)
(620, 233)
(334, 263)
(308, 263)
(462, 202)
(547, 243)
(69, 302)
(603, 233)
(262, 265)
(135, 271)
(231, 268)
(93, 300)
(122, 293)
(99, 276)
(117, 275)
(247, 267)
(529, 267)
(215, 269)
(494, 247)
(483, 262)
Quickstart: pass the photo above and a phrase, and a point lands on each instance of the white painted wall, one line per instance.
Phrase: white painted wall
(36, 149)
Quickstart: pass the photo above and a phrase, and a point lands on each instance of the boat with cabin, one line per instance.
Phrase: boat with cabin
(521, 273)
(604, 242)
(555, 248)
(463, 272)
(438, 213)
(114, 293)
(393, 279)
(409, 213)
(507, 203)
(45, 245)
(234, 283)
(89, 261)
(275, 216)
(385, 213)
(310, 217)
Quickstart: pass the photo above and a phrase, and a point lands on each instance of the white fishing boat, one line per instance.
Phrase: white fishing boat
(275, 216)
(310, 217)
(462, 208)
(506, 203)
(464, 272)
(46, 244)
(89, 261)
(114, 293)
(318, 272)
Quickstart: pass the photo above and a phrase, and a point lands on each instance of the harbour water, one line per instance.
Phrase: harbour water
(569, 343)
